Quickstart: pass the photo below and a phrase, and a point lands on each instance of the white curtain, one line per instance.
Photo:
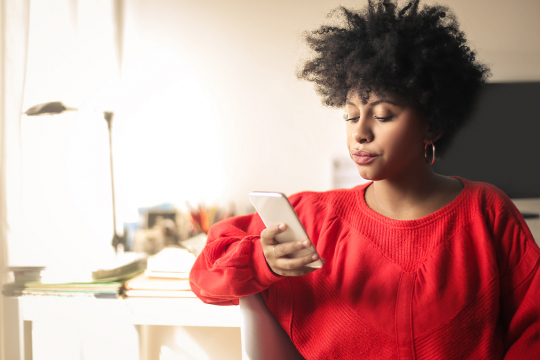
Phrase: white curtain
(14, 15)
(54, 170)
(52, 50)
(73, 52)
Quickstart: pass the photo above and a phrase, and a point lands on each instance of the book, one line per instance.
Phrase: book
(144, 282)
(145, 286)
(160, 294)
(172, 261)
(95, 289)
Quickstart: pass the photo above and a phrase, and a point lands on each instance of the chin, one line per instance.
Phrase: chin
(367, 176)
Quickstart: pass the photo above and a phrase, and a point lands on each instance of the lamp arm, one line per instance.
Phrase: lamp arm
(117, 239)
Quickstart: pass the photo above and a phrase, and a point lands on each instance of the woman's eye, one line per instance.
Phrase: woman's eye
(383, 119)
(354, 119)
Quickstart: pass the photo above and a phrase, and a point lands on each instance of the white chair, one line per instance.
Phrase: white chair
(263, 338)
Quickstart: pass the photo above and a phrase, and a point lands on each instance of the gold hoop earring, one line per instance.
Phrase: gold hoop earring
(432, 153)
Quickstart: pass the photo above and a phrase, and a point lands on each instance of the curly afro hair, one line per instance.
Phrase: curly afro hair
(417, 54)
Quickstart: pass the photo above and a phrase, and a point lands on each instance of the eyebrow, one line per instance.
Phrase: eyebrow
(384, 101)
(377, 102)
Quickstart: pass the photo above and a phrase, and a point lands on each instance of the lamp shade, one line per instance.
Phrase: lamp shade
(56, 107)
(50, 108)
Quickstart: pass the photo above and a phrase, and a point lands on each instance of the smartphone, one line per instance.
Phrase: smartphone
(274, 208)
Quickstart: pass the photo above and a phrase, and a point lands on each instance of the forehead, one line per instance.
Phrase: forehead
(375, 98)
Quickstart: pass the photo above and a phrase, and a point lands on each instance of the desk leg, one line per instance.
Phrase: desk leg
(16, 331)
(28, 348)
(143, 341)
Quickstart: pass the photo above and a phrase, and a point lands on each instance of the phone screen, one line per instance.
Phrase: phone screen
(274, 208)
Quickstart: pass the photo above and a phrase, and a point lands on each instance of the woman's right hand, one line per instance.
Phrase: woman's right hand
(276, 253)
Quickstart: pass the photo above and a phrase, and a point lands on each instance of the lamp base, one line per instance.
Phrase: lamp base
(118, 242)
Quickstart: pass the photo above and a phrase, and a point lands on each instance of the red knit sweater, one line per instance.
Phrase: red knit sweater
(461, 283)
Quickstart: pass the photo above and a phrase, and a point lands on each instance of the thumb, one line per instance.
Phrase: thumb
(268, 234)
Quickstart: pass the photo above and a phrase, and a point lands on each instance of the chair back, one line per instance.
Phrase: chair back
(263, 338)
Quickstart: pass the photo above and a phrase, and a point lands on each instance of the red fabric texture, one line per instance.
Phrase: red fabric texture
(461, 283)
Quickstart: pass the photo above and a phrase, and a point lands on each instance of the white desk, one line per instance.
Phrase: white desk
(88, 315)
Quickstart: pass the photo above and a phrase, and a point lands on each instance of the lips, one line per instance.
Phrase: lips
(362, 157)
(362, 153)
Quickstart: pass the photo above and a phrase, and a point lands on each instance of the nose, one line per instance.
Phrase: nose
(362, 132)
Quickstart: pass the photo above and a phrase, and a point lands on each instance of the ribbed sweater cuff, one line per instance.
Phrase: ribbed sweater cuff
(262, 272)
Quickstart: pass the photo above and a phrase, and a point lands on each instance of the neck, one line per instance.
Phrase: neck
(407, 196)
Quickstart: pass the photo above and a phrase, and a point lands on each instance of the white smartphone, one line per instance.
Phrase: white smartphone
(274, 208)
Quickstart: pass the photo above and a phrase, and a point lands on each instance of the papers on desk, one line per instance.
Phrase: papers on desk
(94, 289)
(167, 275)
(106, 282)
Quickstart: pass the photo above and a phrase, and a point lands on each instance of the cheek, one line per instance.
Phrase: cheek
(399, 140)
(404, 143)
(348, 136)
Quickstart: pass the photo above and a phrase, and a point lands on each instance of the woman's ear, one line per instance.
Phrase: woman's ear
(432, 136)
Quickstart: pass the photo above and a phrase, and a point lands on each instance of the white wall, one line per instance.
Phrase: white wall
(218, 112)
(208, 110)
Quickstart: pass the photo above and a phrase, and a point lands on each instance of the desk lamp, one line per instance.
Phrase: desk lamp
(56, 107)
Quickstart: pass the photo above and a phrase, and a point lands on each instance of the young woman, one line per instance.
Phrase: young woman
(417, 265)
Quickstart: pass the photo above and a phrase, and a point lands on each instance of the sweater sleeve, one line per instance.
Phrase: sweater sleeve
(519, 261)
(232, 263)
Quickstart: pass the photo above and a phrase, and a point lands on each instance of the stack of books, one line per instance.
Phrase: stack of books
(107, 282)
(86, 289)
(167, 275)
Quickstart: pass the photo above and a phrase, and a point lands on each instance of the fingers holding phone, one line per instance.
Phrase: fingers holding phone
(276, 254)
